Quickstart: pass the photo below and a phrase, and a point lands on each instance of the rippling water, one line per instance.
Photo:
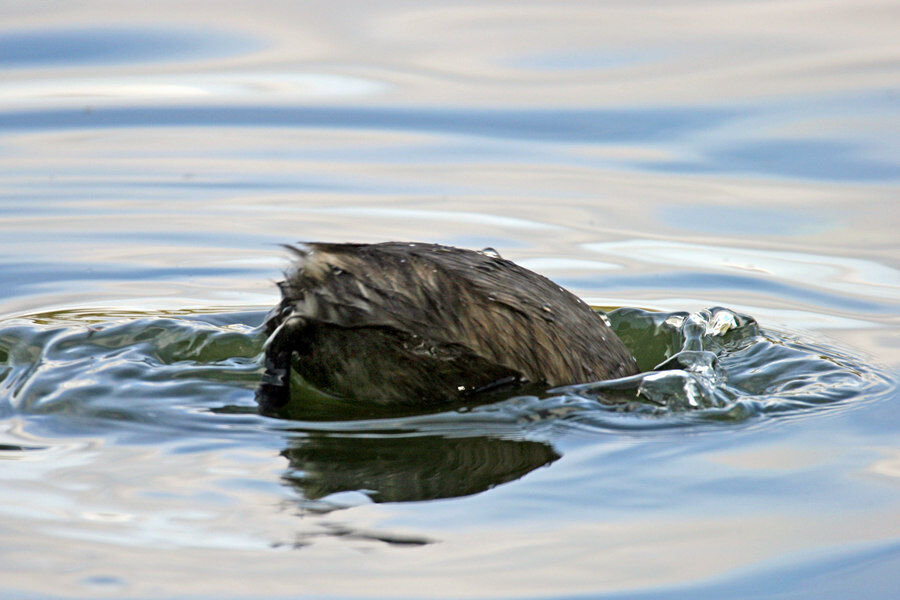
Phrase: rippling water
(656, 159)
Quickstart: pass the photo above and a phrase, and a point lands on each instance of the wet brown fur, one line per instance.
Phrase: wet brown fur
(414, 323)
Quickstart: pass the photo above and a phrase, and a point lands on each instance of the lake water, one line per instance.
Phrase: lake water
(667, 157)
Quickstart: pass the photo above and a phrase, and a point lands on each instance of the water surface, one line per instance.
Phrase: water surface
(660, 159)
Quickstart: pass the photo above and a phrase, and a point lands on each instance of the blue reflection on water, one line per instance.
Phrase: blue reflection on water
(827, 575)
(96, 45)
(807, 159)
(815, 159)
(696, 280)
(549, 125)
(747, 220)
(819, 159)
(24, 278)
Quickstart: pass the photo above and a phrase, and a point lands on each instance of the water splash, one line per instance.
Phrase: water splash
(161, 375)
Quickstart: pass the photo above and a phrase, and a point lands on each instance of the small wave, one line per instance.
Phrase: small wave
(197, 371)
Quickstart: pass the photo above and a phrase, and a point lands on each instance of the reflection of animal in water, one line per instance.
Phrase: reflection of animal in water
(393, 468)
(422, 323)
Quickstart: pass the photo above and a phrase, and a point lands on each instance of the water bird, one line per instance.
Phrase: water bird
(419, 323)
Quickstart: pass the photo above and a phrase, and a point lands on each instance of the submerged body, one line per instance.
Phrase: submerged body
(402, 323)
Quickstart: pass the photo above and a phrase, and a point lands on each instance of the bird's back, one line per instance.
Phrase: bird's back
(401, 322)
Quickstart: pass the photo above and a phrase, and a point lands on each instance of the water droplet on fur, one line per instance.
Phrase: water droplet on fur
(548, 313)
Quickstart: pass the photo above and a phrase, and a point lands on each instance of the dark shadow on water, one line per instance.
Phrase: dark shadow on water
(407, 453)
(399, 468)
